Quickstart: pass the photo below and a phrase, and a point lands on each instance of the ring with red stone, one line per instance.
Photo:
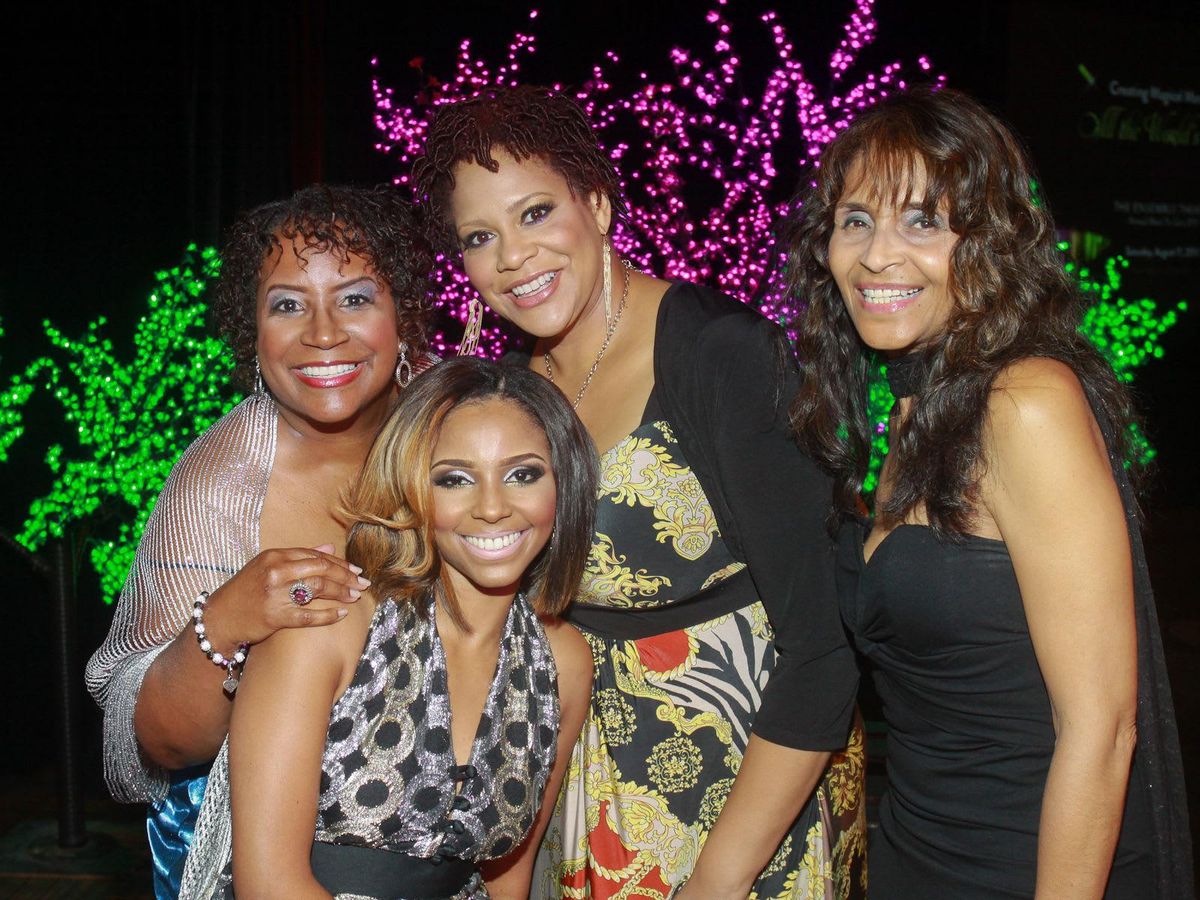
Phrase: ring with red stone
(301, 594)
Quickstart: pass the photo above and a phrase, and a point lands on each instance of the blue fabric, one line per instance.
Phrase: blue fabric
(170, 825)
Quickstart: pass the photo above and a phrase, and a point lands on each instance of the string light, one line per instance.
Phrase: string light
(133, 415)
(694, 134)
(702, 131)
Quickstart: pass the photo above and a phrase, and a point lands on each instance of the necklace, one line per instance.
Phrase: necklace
(612, 329)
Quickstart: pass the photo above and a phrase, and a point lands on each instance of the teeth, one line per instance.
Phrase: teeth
(327, 371)
(876, 295)
(536, 285)
(492, 543)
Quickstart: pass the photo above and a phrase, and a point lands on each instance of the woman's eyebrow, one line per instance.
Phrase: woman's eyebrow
(459, 463)
(521, 456)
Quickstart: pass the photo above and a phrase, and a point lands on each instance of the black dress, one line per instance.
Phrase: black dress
(970, 734)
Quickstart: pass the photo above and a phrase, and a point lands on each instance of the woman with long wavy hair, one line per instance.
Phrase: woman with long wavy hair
(1000, 594)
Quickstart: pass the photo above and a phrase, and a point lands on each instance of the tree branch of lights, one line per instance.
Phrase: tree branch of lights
(703, 133)
(133, 416)
(699, 132)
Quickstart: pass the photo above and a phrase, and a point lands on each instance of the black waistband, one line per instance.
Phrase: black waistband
(726, 596)
(373, 872)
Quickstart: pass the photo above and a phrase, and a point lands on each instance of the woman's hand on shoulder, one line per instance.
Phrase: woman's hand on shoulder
(257, 601)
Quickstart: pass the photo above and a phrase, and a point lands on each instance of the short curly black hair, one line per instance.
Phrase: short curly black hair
(526, 121)
(376, 223)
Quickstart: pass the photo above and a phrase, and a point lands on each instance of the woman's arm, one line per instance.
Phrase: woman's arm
(773, 500)
(182, 714)
(508, 877)
(1050, 489)
(276, 740)
(768, 793)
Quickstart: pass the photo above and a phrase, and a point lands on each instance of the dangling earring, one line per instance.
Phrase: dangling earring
(470, 338)
(259, 387)
(606, 264)
(404, 371)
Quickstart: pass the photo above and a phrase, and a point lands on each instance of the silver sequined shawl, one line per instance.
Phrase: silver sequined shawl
(204, 528)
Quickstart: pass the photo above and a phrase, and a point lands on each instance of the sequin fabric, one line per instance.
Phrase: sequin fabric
(204, 528)
(389, 777)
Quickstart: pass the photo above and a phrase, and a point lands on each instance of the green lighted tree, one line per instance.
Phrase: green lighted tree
(1127, 332)
(133, 415)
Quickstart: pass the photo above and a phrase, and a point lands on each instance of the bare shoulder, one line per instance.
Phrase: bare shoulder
(1041, 438)
(1037, 391)
(572, 656)
(1038, 404)
(335, 647)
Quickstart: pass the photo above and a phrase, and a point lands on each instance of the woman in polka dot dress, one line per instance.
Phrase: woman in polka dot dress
(455, 695)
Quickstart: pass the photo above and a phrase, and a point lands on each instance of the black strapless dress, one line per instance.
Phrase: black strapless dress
(970, 734)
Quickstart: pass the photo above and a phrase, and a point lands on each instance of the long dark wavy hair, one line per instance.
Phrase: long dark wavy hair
(1012, 300)
(376, 223)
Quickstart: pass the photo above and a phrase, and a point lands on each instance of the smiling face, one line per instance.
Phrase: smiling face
(327, 343)
(530, 248)
(494, 496)
(892, 263)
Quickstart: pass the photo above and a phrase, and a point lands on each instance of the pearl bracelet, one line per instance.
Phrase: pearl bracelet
(233, 664)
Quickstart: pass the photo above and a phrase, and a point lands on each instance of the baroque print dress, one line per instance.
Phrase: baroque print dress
(674, 700)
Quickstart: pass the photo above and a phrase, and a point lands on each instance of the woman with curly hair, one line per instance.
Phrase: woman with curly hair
(723, 678)
(1001, 594)
(321, 298)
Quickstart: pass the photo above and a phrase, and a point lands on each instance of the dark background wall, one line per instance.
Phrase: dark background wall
(129, 130)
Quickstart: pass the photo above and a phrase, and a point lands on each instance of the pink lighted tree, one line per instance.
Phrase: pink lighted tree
(699, 131)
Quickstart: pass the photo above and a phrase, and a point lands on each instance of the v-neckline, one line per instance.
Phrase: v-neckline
(648, 418)
(439, 652)
(864, 532)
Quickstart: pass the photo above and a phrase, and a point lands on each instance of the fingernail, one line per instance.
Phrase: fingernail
(363, 582)
(357, 570)
(354, 595)
(342, 613)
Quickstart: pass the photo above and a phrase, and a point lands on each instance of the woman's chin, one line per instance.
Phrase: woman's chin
(336, 411)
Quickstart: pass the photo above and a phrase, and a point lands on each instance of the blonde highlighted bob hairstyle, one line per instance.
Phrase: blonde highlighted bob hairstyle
(390, 508)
